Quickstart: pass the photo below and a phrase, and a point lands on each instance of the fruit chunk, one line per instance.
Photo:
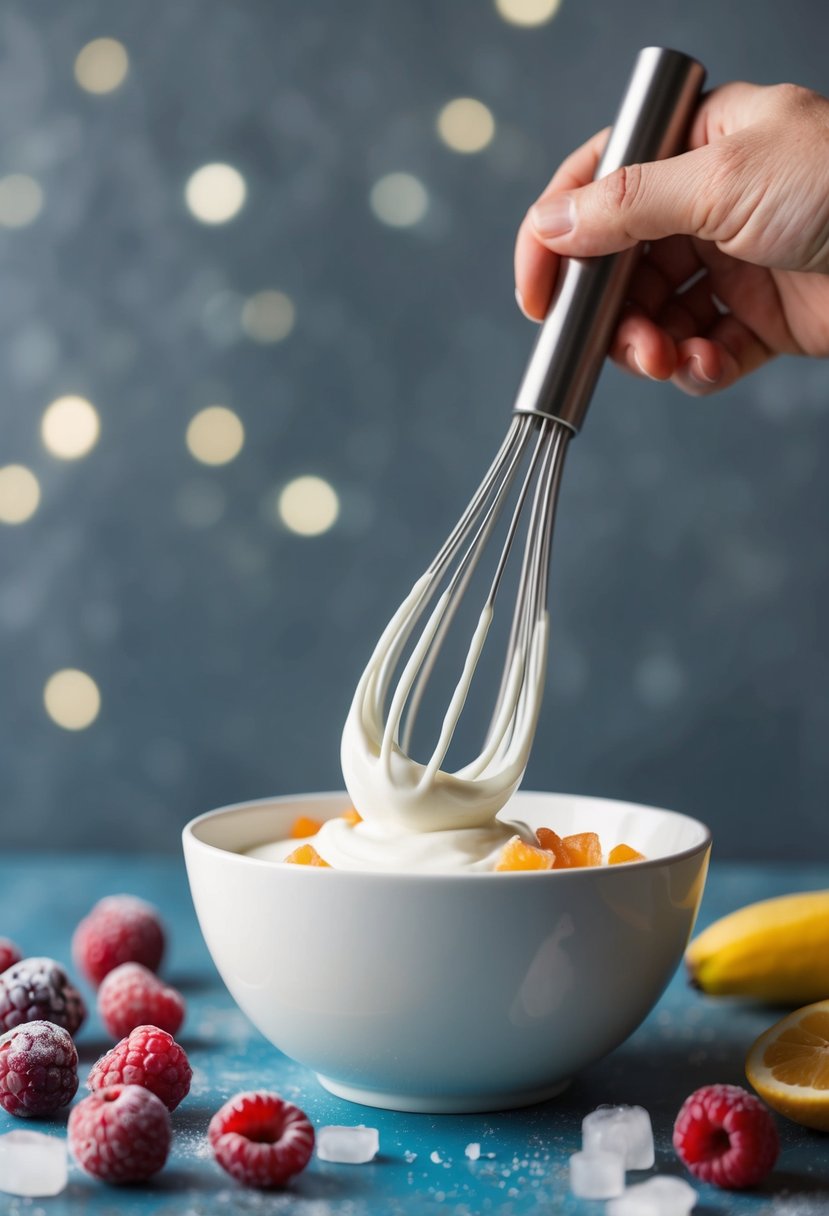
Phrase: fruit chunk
(789, 1066)
(119, 929)
(351, 816)
(149, 1057)
(306, 855)
(260, 1139)
(132, 995)
(583, 849)
(622, 853)
(517, 855)
(725, 1135)
(38, 1069)
(120, 1134)
(305, 826)
(39, 990)
(776, 950)
(552, 842)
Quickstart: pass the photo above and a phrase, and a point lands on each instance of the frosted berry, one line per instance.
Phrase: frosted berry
(148, 1057)
(39, 990)
(9, 953)
(119, 929)
(261, 1140)
(38, 1069)
(131, 996)
(120, 1134)
(726, 1136)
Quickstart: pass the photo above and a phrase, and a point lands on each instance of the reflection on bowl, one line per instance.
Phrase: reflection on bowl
(447, 992)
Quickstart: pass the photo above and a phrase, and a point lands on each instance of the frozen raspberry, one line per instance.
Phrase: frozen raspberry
(149, 1057)
(120, 1134)
(39, 990)
(38, 1069)
(119, 929)
(132, 996)
(260, 1139)
(725, 1135)
(9, 953)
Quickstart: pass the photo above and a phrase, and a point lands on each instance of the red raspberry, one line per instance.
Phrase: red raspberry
(132, 996)
(148, 1057)
(119, 929)
(725, 1135)
(260, 1139)
(9, 953)
(38, 1069)
(120, 1134)
(39, 990)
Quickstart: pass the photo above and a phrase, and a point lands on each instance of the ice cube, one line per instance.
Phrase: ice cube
(597, 1175)
(348, 1145)
(620, 1129)
(32, 1164)
(661, 1195)
(472, 1151)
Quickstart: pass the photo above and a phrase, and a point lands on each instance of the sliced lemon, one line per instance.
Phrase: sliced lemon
(789, 1066)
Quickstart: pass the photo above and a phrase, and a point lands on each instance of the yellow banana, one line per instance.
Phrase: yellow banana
(776, 950)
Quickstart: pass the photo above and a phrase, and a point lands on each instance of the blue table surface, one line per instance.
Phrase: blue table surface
(688, 1041)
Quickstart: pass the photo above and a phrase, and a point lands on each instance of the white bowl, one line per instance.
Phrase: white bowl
(447, 992)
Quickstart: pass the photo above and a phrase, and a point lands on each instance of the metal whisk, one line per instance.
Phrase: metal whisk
(550, 407)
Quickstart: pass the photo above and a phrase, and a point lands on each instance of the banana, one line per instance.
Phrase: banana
(776, 950)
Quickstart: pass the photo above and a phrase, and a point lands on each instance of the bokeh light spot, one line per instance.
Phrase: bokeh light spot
(19, 494)
(466, 125)
(72, 699)
(101, 65)
(21, 200)
(399, 200)
(70, 427)
(268, 316)
(215, 435)
(308, 506)
(215, 193)
(527, 12)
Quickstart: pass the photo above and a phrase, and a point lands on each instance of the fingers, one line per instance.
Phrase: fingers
(729, 351)
(536, 266)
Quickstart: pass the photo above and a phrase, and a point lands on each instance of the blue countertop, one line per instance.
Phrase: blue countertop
(687, 1041)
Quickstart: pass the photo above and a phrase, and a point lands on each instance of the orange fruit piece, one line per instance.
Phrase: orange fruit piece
(517, 855)
(552, 842)
(621, 853)
(351, 816)
(303, 826)
(789, 1066)
(583, 849)
(306, 855)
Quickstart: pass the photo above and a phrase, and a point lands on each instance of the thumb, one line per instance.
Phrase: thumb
(642, 202)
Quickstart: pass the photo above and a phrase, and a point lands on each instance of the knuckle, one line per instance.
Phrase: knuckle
(624, 187)
(791, 98)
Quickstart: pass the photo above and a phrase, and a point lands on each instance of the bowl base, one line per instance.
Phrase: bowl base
(443, 1104)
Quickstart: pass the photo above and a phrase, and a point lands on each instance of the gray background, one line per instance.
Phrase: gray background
(691, 582)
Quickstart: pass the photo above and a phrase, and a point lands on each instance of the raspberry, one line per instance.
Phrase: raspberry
(725, 1135)
(120, 1134)
(38, 1069)
(260, 1139)
(39, 990)
(148, 1057)
(119, 929)
(9, 953)
(131, 996)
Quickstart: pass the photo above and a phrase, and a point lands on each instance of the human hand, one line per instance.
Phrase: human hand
(735, 269)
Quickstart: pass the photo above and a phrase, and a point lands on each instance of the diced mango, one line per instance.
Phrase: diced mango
(306, 855)
(552, 842)
(303, 826)
(583, 849)
(351, 816)
(517, 855)
(623, 852)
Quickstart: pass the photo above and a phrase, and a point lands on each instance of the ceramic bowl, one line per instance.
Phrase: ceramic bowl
(447, 992)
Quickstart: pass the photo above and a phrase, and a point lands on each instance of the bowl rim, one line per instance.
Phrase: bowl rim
(192, 840)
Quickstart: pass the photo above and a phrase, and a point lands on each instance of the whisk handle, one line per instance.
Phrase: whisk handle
(574, 339)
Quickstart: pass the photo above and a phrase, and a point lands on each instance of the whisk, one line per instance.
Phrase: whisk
(382, 778)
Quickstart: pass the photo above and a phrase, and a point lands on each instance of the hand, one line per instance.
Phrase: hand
(735, 269)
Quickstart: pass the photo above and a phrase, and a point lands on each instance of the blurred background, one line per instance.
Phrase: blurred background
(258, 342)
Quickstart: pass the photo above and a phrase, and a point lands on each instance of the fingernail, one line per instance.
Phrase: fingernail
(637, 363)
(697, 372)
(519, 300)
(553, 216)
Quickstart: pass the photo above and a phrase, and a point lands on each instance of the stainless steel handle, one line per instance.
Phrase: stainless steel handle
(573, 341)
